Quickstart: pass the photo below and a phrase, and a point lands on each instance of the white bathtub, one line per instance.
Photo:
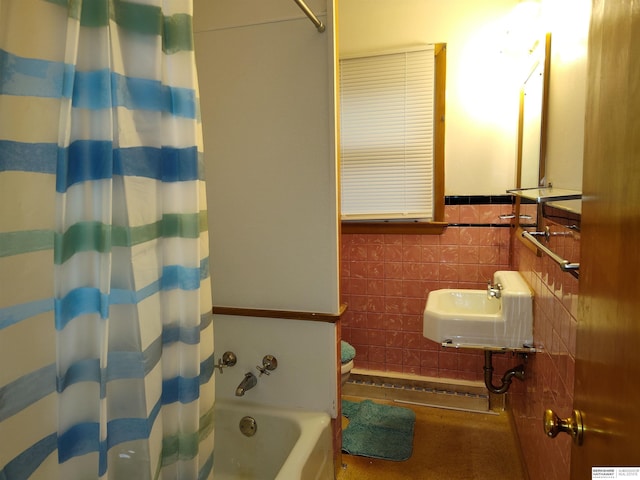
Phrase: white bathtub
(287, 445)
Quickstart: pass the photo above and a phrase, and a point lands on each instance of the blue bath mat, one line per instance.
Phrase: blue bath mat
(378, 431)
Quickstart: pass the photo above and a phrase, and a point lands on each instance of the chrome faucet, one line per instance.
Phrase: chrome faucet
(494, 291)
(248, 382)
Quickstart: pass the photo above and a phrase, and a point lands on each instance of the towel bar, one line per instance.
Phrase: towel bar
(564, 265)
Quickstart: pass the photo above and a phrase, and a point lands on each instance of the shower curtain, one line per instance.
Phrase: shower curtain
(106, 338)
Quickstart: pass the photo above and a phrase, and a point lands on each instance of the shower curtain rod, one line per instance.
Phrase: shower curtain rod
(303, 6)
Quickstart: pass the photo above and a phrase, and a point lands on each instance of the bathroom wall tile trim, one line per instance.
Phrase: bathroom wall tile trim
(478, 200)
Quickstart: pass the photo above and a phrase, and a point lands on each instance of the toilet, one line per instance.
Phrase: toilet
(347, 354)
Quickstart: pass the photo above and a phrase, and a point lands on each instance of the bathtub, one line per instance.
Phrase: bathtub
(287, 444)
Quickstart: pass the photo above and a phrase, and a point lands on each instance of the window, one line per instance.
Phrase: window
(392, 135)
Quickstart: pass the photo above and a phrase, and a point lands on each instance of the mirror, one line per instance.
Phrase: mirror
(532, 152)
(532, 138)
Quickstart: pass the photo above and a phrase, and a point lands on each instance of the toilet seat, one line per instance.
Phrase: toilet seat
(346, 367)
(347, 354)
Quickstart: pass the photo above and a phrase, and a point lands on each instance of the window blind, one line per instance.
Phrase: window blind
(386, 135)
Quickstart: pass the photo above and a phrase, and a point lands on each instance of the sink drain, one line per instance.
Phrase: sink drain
(248, 426)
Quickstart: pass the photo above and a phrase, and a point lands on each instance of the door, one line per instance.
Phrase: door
(607, 388)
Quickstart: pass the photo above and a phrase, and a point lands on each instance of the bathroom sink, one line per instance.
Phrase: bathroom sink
(474, 318)
(465, 303)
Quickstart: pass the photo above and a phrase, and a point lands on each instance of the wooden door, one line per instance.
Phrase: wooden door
(607, 388)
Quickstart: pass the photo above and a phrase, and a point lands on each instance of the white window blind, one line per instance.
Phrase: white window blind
(386, 135)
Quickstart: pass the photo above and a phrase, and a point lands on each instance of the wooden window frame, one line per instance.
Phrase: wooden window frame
(437, 225)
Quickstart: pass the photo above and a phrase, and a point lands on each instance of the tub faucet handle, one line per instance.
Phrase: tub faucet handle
(269, 363)
(228, 359)
(494, 291)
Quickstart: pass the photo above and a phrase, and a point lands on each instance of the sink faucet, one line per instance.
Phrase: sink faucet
(248, 382)
(494, 291)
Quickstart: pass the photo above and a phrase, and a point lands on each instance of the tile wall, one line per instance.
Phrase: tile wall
(550, 373)
(385, 280)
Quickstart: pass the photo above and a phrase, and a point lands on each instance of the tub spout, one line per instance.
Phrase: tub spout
(248, 382)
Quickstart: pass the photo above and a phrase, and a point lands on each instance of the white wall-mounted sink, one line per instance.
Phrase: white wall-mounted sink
(474, 319)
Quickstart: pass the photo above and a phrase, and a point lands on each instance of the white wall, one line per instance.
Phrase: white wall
(482, 83)
(568, 22)
(268, 113)
(306, 374)
(485, 69)
(266, 81)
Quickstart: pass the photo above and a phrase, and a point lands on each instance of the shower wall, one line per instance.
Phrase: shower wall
(268, 118)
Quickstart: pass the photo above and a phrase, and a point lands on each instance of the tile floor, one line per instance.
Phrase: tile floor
(448, 445)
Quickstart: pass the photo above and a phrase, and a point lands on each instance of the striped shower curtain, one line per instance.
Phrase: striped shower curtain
(106, 339)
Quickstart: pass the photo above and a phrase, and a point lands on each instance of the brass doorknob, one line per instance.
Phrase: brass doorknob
(572, 425)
